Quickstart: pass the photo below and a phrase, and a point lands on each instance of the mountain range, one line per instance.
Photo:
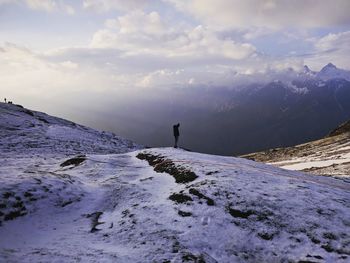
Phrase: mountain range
(288, 108)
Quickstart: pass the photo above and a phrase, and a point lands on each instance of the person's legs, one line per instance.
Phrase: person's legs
(176, 140)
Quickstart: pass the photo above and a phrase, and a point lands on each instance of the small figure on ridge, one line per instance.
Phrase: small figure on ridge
(176, 133)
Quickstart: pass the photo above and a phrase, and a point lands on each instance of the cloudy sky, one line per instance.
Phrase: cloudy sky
(62, 51)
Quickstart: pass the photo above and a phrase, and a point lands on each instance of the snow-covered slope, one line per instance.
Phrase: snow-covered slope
(201, 208)
(24, 131)
(166, 205)
(328, 156)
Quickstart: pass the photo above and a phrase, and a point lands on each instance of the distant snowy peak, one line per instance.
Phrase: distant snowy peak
(330, 65)
(330, 71)
(308, 71)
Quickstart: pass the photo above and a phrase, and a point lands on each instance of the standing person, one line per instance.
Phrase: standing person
(176, 133)
(5, 100)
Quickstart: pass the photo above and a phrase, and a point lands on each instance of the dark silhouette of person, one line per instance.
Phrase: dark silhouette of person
(5, 100)
(176, 133)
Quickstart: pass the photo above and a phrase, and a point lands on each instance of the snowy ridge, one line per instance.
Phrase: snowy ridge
(24, 131)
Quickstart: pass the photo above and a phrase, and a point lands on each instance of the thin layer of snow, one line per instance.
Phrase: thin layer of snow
(276, 215)
(329, 156)
(285, 162)
(340, 149)
(345, 158)
(295, 89)
(68, 133)
(23, 131)
(321, 84)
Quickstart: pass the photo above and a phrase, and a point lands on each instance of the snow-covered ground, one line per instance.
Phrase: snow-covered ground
(329, 156)
(116, 208)
(24, 131)
(165, 205)
(341, 159)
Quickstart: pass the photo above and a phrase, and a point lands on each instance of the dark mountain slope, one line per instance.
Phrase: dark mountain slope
(327, 156)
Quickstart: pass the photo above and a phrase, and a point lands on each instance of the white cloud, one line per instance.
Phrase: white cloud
(257, 32)
(68, 9)
(267, 13)
(28, 75)
(143, 50)
(138, 22)
(121, 5)
(142, 33)
(163, 78)
(69, 64)
(46, 5)
(334, 42)
(212, 76)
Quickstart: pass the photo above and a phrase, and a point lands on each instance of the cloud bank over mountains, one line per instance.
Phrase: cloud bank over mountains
(118, 46)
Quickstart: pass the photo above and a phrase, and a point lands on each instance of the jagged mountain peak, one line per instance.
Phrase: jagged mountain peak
(306, 69)
(330, 71)
(329, 65)
(307, 72)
